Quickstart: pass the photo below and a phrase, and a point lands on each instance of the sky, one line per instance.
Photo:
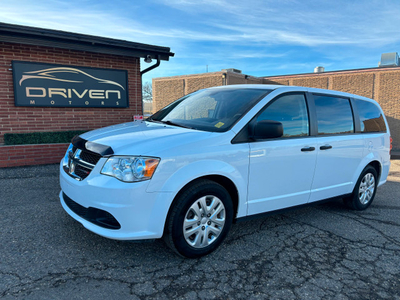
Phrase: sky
(259, 37)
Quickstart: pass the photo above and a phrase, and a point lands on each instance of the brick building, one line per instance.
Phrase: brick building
(381, 84)
(63, 50)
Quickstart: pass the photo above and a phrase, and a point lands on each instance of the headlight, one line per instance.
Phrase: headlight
(130, 168)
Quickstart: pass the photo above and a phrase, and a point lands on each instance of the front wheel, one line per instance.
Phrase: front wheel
(364, 191)
(199, 220)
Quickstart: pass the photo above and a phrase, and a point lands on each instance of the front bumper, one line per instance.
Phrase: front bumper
(99, 199)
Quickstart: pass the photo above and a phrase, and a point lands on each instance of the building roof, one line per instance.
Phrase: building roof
(373, 69)
(75, 41)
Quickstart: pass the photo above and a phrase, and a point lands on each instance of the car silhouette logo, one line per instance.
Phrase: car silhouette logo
(65, 74)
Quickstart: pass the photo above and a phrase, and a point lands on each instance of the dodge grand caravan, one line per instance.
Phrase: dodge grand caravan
(222, 154)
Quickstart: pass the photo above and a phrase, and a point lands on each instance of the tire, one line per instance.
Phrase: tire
(364, 191)
(199, 220)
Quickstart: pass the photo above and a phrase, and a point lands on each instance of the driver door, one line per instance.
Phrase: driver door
(281, 169)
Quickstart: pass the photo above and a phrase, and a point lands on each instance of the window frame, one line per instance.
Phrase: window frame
(354, 114)
(243, 135)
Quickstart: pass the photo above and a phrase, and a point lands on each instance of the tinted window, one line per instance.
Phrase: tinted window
(291, 111)
(334, 115)
(371, 118)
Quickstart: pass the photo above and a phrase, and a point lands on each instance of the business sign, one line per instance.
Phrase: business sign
(37, 84)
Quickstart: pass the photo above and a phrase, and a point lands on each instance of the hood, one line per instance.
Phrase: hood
(143, 138)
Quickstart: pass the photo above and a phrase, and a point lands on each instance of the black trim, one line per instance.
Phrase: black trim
(151, 67)
(289, 209)
(312, 114)
(81, 42)
(356, 116)
(307, 149)
(78, 142)
(325, 147)
(242, 136)
(81, 143)
(93, 215)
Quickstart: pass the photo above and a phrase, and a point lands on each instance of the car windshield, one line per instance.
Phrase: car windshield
(214, 110)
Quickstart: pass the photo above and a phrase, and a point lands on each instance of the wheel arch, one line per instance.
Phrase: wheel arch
(373, 160)
(353, 201)
(377, 166)
(220, 179)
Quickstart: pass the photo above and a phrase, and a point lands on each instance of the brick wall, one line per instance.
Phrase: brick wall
(38, 119)
(201, 82)
(237, 78)
(166, 91)
(314, 82)
(359, 84)
(169, 89)
(23, 155)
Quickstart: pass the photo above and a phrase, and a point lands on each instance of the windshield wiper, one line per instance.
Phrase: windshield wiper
(175, 124)
(168, 123)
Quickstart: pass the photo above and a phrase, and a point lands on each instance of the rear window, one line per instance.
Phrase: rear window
(334, 115)
(371, 118)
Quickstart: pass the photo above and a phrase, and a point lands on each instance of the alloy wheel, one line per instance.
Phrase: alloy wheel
(367, 188)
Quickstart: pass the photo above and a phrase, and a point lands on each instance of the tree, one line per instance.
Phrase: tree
(147, 92)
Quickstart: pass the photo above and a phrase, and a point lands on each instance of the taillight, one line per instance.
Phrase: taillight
(391, 145)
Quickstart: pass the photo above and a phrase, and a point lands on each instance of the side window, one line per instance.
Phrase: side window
(334, 115)
(291, 111)
(371, 118)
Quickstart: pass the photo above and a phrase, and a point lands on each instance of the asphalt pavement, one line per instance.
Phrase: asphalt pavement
(322, 252)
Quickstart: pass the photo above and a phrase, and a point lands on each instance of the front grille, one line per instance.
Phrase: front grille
(80, 162)
(90, 157)
(94, 215)
(82, 171)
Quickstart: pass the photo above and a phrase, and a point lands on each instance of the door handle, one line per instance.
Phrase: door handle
(305, 149)
(325, 147)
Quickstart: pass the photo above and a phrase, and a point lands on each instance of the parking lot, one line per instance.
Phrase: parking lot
(320, 252)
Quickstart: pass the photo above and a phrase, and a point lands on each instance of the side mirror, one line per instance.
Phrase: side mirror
(266, 129)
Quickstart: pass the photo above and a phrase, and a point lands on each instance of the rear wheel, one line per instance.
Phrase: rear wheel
(199, 220)
(364, 191)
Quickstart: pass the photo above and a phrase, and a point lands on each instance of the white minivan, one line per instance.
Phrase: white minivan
(222, 154)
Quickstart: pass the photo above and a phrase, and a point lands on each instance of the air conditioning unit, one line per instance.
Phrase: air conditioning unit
(233, 71)
(389, 60)
(319, 69)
